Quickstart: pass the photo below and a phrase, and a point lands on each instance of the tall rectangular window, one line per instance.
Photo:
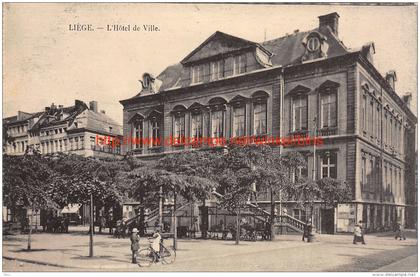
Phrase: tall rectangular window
(76, 142)
(260, 118)
(82, 143)
(155, 132)
(216, 70)
(378, 122)
(363, 112)
(239, 64)
(329, 110)
(92, 143)
(179, 128)
(385, 126)
(217, 124)
(197, 125)
(329, 165)
(371, 173)
(197, 74)
(363, 173)
(390, 139)
(138, 135)
(371, 118)
(239, 121)
(300, 113)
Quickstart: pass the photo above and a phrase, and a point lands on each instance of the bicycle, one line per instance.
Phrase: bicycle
(148, 256)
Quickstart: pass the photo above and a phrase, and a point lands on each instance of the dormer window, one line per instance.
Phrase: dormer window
(316, 46)
(313, 44)
(197, 73)
(239, 64)
(216, 70)
(147, 80)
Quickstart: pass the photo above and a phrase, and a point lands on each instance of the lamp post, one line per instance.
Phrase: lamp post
(91, 227)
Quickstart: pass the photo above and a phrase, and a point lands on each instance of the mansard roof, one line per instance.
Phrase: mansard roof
(95, 121)
(284, 51)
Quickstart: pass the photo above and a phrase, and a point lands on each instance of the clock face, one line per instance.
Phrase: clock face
(313, 44)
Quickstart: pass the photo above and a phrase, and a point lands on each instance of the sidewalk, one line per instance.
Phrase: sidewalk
(287, 252)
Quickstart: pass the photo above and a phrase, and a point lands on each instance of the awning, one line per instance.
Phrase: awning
(71, 209)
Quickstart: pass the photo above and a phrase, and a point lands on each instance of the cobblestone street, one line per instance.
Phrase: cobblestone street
(68, 252)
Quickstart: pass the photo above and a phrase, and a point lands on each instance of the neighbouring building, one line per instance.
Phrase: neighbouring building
(305, 83)
(77, 129)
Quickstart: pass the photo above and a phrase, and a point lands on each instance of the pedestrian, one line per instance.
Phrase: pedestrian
(305, 230)
(311, 232)
(66, 224)
(358, 234)
(102, 224)
(267, 229)
(400, 232)
(135, 239)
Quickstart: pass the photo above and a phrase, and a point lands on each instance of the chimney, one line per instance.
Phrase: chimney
(407, 99)
(330, 20)
(93, 106)
(391, 78)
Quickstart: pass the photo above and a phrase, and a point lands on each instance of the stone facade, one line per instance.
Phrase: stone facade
(74, 129)
(307, 83)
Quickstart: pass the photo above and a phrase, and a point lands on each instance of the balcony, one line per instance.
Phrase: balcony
(330, 131)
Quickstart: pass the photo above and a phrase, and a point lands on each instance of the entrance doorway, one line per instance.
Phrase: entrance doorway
(327, 221)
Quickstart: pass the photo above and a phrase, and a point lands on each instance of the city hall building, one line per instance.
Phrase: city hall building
(305, 83)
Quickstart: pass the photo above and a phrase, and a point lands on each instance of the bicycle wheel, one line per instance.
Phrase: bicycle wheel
(145, 257)
(168, 255)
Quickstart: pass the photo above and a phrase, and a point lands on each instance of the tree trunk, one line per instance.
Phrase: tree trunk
(174, 222)
(161, 208)
(238, 227)
(30, 231)
(272, 215)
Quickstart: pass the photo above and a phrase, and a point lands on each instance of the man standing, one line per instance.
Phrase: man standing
(135, 239)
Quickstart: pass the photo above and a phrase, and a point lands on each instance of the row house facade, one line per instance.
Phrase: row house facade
(77, 129)
(306, 83)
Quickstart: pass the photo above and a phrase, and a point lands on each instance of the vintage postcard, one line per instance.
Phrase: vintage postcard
(201, 137)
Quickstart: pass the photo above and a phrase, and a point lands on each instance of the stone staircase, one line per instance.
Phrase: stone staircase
(280, 221)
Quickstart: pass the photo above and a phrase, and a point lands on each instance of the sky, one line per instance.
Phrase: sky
(44, 62)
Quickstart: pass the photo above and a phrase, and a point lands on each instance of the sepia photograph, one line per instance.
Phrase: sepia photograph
(210, 137)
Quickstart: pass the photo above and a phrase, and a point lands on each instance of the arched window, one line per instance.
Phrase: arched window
(178, 129)
(217, 111)
(238, 104)
(259, 104)
(137, 131)
(196, 111)
(154, 118)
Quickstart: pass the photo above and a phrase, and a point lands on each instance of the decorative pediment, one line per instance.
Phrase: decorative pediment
(299, 89)
(154, 113)
(328, 86)
(238, 98)
(136, 117)
(220, 43)
(195, 106)
(179, 109)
